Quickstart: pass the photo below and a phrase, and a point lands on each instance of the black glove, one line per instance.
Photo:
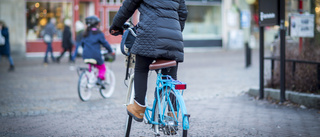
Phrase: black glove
(114, 30)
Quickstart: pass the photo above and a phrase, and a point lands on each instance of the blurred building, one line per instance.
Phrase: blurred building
(211, 23)
(38, 13)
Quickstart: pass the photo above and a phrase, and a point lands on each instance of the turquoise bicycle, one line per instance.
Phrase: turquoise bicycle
(168, 113)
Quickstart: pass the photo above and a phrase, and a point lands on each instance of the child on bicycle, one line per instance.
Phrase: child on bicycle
(159, 36)
(91, 42)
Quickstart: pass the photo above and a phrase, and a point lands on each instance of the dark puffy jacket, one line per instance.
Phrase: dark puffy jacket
(159, 31)
(67, 41)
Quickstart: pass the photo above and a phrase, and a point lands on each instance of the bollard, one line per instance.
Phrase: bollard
(248, 54)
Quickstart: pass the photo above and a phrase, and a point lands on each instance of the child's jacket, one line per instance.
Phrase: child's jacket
(92, 46)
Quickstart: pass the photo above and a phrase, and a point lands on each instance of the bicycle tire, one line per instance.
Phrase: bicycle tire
(177, 129)
(109, 84)
(129, 100)
(84, 91)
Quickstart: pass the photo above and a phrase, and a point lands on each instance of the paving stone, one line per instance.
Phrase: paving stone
(39, 100)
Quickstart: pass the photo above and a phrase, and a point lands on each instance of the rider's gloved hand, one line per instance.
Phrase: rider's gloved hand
(114, 30)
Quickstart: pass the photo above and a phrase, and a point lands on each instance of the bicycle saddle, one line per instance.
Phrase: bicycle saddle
(90, 61)
(160, 63)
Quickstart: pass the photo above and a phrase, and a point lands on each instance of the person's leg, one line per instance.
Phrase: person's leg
(89, 67)
(51, 51)
(46, 55)
(141, 78)
(61, 55)
(137, 109)
(102, 71)
(11, 60)
(11, 68)
(70, 54)
(75, 51)
(101, 75)
(172, 71)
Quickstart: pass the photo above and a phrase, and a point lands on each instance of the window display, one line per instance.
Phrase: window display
(39, 13)
(208, 26)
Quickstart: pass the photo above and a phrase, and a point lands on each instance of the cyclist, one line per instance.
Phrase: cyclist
(92, 39)
(159, 36)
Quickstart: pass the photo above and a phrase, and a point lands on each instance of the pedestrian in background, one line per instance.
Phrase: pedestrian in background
(5, 44)
(91, 42)
(67, 42)
(79, 35)
(159, 36)
(48, 32)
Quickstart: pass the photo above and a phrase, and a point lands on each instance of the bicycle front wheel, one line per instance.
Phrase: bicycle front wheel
(109, 84)
(171, 115)
(129, 100)
(84, 89)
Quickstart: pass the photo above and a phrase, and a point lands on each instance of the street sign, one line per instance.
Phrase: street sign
(268, 12)
(272, 12)
(301, 25)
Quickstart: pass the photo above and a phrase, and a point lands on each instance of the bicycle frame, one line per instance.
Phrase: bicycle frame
(81, 69)
(166, 83)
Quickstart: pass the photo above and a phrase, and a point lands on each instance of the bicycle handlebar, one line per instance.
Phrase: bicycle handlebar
(124, 37)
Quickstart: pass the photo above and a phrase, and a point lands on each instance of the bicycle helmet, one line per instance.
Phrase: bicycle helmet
(92, 21)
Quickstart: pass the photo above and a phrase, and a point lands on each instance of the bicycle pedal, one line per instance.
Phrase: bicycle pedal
(103, 87)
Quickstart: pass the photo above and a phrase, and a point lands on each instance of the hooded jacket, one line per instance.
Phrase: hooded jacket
(92, 45)
(159, 31)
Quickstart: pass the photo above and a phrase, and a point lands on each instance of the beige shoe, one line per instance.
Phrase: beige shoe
(136, 111)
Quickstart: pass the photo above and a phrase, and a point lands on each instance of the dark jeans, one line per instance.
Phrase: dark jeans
(65, 50)
(141, 76)
(9, 58)
(49, 49)
(76, 51)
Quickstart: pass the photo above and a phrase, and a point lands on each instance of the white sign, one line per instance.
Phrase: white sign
(302, 25)
(245, 19)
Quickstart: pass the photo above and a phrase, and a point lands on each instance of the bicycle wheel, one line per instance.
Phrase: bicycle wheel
(109, 84)
(84, 89)
(171, 114)
(129, 100)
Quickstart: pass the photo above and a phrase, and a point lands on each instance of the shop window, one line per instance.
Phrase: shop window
(111, 16)
(205, 27)
(38, 14)
(114, 1)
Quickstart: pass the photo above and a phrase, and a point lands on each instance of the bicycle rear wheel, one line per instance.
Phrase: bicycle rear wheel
(171, 113)
(109, 84)
(129, 100)
(84, 89)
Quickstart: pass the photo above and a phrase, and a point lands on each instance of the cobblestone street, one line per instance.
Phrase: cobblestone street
(38, 100)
